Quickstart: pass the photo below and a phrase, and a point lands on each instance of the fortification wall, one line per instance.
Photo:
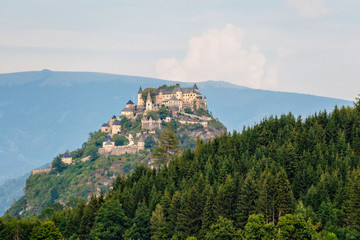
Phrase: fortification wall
(40, 171)
(119, 150)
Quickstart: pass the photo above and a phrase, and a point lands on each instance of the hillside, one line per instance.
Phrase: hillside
(43, 113)
(121, 144)
(283, 178)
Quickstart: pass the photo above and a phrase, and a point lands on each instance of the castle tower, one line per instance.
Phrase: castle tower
(149, 104)
(195, 88)
(66, 157)
(140, 100)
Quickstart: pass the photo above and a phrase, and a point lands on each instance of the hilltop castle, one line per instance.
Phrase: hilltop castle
(176, 98)
(181, 104)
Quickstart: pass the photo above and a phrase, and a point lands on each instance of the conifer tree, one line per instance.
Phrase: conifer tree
(283, 194)
(88, 218)
(174, 212)
(226, 198)
(267, 191)
(352, 204)
(247, 200)
(167, 147)
(110, 221)
(141, 226)
(209, 215)
(157, 223)
(190, 215)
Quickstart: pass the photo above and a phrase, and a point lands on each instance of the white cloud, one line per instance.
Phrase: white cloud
(218, 55)
(309, 8)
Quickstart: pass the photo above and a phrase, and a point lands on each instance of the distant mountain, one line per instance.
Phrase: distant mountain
(10, 191)
(43, 113)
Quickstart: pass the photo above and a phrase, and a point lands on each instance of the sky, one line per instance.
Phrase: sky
(304, 46)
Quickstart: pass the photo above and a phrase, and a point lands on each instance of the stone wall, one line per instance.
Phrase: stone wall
(40, 171)
(119, 150)
(150, 124)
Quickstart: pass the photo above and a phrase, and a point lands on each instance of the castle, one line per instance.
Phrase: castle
(176, 99)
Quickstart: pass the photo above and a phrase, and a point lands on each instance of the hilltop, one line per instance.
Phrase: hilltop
(120, 144)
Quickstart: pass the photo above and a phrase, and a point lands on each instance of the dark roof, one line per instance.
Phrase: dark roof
(105, 125)
(116, 122)
(140, 90)
(108, 138)
(205, 97)
(187, 90)
(66, 154)
(127, 110)
(195, 87)
(130, 102)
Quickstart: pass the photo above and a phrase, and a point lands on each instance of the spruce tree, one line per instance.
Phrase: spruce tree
(190, 215)
(284, 195)
(267, 191)
(247, 200)
(141, 223)
(167, 147)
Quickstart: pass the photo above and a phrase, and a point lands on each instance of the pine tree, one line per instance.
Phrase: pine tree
(190, 215)
(167, 147)
(352, 204)
(247, 200)
(209, 215)
(266, 202)
(226, 198)
(88, 219)
(174, 212)
(110, 221)
(284, 194)
(141, 226)
(157, 223)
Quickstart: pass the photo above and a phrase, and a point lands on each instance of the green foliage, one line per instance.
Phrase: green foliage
(163, 112)
(188, 110)
(110, 221)
(144, 94)
(294, 227)
(222, 229)
(165, 86)
(216, 124)
(202, 112)
(120, 140)
(46, 231)
(167, 147)
(141, 224)
(149, 142)
(153, 114)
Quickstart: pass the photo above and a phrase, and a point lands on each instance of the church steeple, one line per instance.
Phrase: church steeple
(140, 90)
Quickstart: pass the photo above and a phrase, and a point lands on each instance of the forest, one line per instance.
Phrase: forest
(283, 178)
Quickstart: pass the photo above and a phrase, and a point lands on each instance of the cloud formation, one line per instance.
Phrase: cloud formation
(220, 55)
(309, 8)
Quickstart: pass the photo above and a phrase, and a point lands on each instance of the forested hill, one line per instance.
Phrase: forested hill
(284, 178)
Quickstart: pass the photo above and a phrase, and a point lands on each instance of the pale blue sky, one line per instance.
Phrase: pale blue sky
(307, 46)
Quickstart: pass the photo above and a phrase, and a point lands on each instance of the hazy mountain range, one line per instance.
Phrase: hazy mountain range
(43, 113)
